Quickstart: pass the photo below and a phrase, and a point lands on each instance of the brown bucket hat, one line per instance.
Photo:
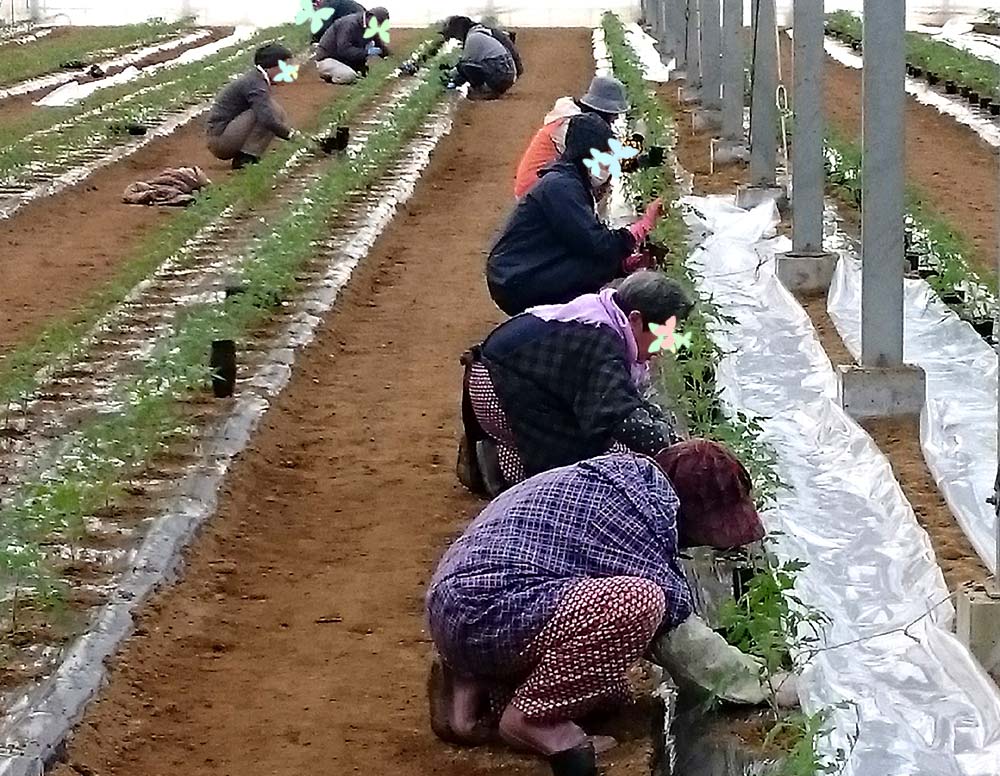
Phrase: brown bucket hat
(714, 489)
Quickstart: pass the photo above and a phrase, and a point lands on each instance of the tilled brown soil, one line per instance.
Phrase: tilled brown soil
(295, 643)
(57, 250)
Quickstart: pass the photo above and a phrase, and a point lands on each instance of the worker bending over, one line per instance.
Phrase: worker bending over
(245, 117)
(343, 51)
(568, 579)
(605, 98)
(340, 8)
(489, 63)
(562, 383)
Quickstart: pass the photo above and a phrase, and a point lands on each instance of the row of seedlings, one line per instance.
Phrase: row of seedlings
(767, 620)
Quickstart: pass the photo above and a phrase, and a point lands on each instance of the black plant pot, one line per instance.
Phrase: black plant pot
(995, 108)
(953, 297)
(933, 79)
(918, 72)
(974, 98)
(926, 272)
(337, 141)
(856, 45)
(985, 102)
(656, 156)
(965, 91)
(136, 129)
(912, 261)
(983, 326)
(223, 365)
(950, 87)
(909, 69)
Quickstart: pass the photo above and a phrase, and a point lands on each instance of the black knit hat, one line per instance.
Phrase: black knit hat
(585, 132)
(457, 27)
(269, 55)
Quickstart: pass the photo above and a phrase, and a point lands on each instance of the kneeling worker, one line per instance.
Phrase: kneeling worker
(246, 117)
(490, 63)
(343, 51)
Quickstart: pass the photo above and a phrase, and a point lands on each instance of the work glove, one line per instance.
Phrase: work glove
(641, 228)
(637, 261)
(694, 653)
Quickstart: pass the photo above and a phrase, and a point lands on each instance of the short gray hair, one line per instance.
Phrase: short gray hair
(654, 296)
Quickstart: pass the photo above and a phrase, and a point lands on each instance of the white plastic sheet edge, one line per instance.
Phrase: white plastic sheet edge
(958, 425)
(917, 703)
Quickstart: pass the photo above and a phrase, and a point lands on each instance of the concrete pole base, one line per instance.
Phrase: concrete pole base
(678, 74)
(881, 392)
(690, 95)
(726, 152)
(806, 273)
(977, 625)
(749, 197)
(706, 119)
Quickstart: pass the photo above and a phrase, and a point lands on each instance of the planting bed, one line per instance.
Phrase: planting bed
(360, 447)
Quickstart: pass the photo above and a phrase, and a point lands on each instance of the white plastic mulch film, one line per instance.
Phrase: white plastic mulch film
(958, 424)
(917, 704)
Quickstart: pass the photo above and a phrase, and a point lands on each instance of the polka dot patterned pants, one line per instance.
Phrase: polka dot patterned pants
(601, 629)
(494, 422)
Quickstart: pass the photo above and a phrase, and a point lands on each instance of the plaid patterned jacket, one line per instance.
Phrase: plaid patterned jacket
(565, 388)
(502, 581)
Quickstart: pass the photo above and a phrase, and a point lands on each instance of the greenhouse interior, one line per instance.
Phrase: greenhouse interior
(282, 492)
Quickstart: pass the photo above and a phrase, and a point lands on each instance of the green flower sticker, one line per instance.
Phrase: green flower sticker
(315, 17)
(667, 339)
(376, 29)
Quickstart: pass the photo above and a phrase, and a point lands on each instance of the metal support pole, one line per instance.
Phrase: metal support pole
(693, 56)
(807, 141)
(711, 54)
(763, 111)
(883, 131)
(677, 29)
(733, 75)
(996, 482)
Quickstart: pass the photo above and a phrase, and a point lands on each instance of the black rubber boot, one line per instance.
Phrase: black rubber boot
(578, 761)
(241, 160)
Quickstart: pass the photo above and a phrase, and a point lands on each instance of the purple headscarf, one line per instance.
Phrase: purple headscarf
(598, 309)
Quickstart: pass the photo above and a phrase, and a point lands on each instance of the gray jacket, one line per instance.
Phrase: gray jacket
(251, 91)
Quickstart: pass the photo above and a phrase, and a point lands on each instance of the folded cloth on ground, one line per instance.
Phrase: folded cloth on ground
(174, 186)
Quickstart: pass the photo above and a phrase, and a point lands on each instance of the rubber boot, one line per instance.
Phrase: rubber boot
(488, 460)
(242, 159)
(578, 761)
(467, 467)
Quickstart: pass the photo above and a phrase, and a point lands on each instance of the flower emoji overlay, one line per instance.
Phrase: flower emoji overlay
(612, 161)
(316, 18)
(288, 72)
(667, 339)
(376, 29)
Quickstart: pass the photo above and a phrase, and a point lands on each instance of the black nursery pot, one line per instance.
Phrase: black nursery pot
(341, 138)
(995, 108)
(223, 366)
(985, 102)
(974, 98)
(950, 87)
(983, 326)
(856, 45)
(913, 261)
(953, 297)
(135, 129)
(909, 69)
(965, 91)
(656, 156)
(918, 72)
(933, 79)
(926, 272)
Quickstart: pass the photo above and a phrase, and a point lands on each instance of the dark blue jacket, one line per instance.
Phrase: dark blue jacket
(341, 8)
(554, 248)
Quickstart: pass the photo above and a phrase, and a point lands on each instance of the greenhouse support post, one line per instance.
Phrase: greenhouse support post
(733, 77)
(807, 268)
(763, 109)
(693, 56)
(882, 385)
(676, 23)
(711, 54)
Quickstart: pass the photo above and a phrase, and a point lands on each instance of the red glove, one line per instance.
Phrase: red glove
(645, 225)
(638, 260)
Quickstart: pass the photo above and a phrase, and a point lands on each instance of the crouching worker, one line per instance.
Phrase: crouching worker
(554, 247)
(490, 62)
(246, 117)
(561, 383)
(566, 581)
(340, 8)
(605, 98)
(342, 53)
